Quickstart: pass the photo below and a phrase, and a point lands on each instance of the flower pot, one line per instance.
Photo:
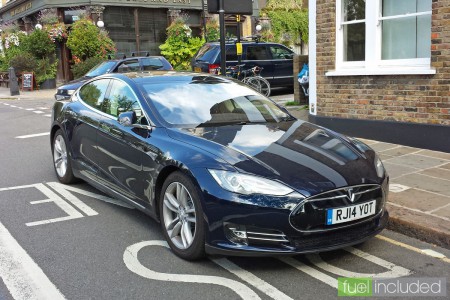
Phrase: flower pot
(48, 84)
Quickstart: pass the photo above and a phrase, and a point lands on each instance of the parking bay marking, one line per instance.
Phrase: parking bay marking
(32, 135)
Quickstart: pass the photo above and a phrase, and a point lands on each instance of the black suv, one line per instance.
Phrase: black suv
(276, 59)
(134, 63)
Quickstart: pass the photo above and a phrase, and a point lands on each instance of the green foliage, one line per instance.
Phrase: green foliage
(23, 62)
(87, 40)
(46, 69)
(212, 31)
(38, 43)
(289, 22)
(82, 68)
(180, 46)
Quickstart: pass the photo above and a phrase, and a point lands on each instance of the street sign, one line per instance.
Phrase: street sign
(243, 7)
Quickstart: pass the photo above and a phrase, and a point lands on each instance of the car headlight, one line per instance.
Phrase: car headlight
(70, 92)
(248, 184)
(379, 167)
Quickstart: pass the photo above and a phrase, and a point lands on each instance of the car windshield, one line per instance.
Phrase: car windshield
(101, 68)
(212, 102)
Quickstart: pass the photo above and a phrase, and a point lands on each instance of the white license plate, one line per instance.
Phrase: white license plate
(350, 213)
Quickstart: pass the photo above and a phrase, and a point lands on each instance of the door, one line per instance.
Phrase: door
(121, 148)
(83, 138)
(283, 72)
(258, 55)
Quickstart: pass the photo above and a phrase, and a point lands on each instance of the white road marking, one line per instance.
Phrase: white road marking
(71, 212)
(398, 188)
(310, 271)
(61, 189)
(130, 258)
(252, 279)
(433, 253)
(20, 274)
(58, 187)
(18, 187)
(394, 270)
(6, 104)
(13, 106)
(32, 135)
(38, 112)
(30, 109)
(49, 115)
(44, 108)
(418, 211)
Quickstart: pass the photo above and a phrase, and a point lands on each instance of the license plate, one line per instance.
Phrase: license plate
(197, 69)
(350, 213)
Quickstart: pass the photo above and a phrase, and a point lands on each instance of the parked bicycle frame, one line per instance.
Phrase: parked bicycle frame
(250, 76)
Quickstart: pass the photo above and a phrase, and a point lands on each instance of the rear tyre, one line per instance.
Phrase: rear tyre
(61, 159)
(259, 84)
(182, 217)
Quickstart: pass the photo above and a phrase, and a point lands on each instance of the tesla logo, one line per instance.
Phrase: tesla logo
(350, 195)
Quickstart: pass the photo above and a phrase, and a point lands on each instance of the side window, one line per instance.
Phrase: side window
(128, 66)
(279, 52)
(120, 99)
(257, 52)
(94, 92)
(231, 54)
(151, 63)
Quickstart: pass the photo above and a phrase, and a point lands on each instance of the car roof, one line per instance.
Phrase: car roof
(134, 57)
(169, 76)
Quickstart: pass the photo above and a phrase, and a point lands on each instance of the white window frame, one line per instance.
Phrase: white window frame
(373, 64)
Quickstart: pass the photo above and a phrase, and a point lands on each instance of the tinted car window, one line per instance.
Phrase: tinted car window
(94, 92)
(120, 99)
(151, 63)
(257, 52)
(231, 54)
(279, 52)
(221, 103)
(101, 68)
(129, 66)
(207, 53)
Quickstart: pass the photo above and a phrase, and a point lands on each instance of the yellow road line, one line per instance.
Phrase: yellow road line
(409, 247)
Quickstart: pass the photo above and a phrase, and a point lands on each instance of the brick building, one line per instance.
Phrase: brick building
(381, 69)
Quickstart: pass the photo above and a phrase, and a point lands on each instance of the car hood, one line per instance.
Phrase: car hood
(74, 84)
(307, 157)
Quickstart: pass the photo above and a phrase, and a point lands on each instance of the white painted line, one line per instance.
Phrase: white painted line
(130, 258)
(58, 186)
(38, 112)
(71, 212)
(18, 187)
(418, 211)
(13, 106)
(32, 135)
(30, 109)
(252, 279)
(43, 108)
(49, 115)
(439, 208)
(398, 188)
(61, 189)
(310, 271)
(433, 253)
(21, 275)
(406, 246)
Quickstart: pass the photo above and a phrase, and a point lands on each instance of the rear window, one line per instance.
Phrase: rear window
(207, 53)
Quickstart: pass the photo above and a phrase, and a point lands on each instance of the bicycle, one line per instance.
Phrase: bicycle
(251, 77)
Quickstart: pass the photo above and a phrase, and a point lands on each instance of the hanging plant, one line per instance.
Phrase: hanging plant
(56, 31)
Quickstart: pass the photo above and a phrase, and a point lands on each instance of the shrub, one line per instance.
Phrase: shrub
(38, 43)
(87, 40)
(46, 69)
(212, 31)
(23, 62)
(82, 68)
(180, 46)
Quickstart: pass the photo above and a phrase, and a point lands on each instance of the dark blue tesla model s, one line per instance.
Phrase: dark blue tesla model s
(224, 169)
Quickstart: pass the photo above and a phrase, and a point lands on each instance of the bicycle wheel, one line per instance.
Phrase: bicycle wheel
(259, 84)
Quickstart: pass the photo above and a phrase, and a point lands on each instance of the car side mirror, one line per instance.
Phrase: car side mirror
(127, 118)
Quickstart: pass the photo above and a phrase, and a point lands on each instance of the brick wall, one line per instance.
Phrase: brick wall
(403, 98)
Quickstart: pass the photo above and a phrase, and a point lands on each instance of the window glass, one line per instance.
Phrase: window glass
(231, 54)
(258, 52)
(128, 66)
(121, 99)
(101, 68)
(151, 63)
(355, 33)
(406, 37)
(207, 53)
(279, 52)
(94, 92)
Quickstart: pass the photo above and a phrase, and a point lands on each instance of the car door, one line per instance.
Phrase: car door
(283, 70)
(257, 55)
(85, 119)
(120, 147)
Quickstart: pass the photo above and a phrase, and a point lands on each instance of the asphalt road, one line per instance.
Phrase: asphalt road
(72, 242)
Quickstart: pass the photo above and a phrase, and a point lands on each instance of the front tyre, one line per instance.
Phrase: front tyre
(182, 217)
(61, 159)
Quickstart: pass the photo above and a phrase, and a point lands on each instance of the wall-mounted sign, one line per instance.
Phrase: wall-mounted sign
(21, 9)
(241, 7)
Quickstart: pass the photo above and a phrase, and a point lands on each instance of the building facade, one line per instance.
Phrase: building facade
(381, 69)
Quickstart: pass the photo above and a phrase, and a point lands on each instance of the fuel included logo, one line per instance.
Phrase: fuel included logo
(389, 287)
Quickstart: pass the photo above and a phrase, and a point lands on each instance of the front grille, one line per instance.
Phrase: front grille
(310, 214)
(265, 236)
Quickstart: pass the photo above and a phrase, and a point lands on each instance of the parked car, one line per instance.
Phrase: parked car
(223, 168)
(134, 63)
(275, 59)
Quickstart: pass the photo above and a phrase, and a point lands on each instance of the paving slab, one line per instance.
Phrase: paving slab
(395, 170)
(443, 211)
(420, 200)
(380, 146)
(438, 173)
(418, 161)
(436, 154)
(403, 150)
(423, 182)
